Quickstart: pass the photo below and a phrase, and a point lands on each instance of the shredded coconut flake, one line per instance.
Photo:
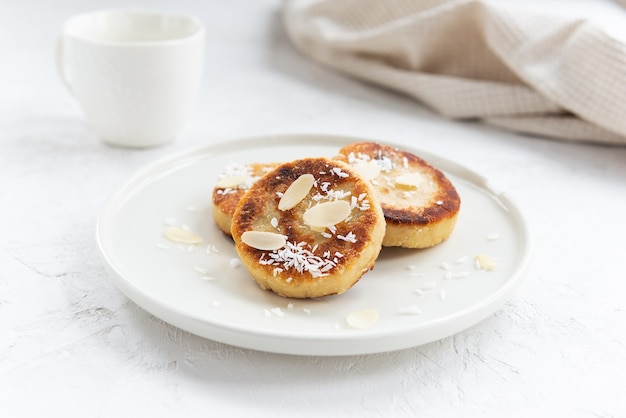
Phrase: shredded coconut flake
(493, 237)
(385, 164)
(410, 310)
(277, 311)
(348, 238)
(458, 275)
(169, 221)
(428, 286)
(212, 249)
(339, 172)
(295, 256)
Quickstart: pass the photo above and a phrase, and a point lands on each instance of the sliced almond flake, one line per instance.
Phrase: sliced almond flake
(362, 319)
(231, 181)
(369, 170)
(409, 179)
(182, 236)
(262, 240)
(327, 214)
(484, 262)
(296, 192)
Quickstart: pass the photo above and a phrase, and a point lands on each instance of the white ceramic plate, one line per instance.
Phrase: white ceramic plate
(421, 295)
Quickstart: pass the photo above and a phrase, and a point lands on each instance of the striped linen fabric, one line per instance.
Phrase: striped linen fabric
(523, 70)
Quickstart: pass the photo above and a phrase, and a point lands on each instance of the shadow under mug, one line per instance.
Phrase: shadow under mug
(135, 74)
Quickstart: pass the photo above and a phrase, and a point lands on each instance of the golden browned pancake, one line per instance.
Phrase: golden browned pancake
(231, 186)
(309, 228)
(420, 203)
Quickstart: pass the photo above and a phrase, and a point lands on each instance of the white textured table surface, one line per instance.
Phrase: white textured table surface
(71, 344)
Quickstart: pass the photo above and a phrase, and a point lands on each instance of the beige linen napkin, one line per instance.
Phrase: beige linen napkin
(524, 71)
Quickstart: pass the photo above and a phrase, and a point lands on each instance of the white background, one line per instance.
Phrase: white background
(71, 344)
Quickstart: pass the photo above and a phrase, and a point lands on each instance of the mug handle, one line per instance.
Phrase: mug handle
(59, 63)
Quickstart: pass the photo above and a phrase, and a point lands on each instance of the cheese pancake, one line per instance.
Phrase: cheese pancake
(309, 228)
(231, 186)
(420, 203)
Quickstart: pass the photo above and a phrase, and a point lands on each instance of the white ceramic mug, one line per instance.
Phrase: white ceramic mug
(136, 74)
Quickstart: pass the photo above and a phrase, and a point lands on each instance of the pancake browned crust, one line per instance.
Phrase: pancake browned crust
(225, 199)
(420, 203)
(315, 261)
